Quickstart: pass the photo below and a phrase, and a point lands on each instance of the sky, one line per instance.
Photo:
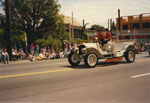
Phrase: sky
(99, 11)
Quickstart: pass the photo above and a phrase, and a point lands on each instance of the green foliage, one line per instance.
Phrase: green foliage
(2, 38)
(37, 18)
(83, 32)
(18, 36)
(40, 42)
(57, 44)
(113, 26)
(50, 41)
(97, 27)
(2, 20)
(84, 36)
(61, 32)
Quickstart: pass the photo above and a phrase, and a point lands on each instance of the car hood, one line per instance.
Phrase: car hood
(89, 45)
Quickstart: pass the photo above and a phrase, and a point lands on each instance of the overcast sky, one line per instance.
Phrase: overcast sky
(99, 11)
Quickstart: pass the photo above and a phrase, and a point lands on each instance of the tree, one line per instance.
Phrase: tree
(113, 27)
(36, 17)
(97, 27)
(18, 36)
(2, 38)
(49, 41)
(2, 19)
(83, 32)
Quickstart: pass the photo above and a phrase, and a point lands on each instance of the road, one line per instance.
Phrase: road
(55, 81)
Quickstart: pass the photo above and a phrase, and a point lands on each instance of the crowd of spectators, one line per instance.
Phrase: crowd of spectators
(142, 46)
(35, 52)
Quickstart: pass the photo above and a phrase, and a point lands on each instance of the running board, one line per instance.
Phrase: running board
(114, 60)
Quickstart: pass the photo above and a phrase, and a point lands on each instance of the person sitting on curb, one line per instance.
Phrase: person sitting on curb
(41, 56)
(5, 56)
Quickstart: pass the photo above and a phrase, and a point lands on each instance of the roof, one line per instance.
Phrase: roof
(68, 20)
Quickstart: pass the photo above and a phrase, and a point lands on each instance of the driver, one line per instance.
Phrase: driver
(104, 37)
(108, 35)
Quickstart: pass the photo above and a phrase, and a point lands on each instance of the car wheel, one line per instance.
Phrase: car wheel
(91, 60)
(74, 59)
(130, 56)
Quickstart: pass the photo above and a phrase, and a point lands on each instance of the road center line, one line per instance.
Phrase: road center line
(141, 75)
(35, 73)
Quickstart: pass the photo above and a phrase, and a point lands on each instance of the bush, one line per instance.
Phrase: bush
(56, 43)
(18, 36)
(40, 42)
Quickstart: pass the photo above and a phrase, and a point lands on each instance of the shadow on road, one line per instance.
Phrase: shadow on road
(100, 64)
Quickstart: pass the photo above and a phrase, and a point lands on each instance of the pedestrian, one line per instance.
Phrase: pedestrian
(32, 48)
(37, 50)
(5, 56)
(1, 56)
(70, 47)
(63, 45)
(66, 47)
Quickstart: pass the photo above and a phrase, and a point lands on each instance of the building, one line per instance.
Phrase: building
(75, 30)
(135, 26)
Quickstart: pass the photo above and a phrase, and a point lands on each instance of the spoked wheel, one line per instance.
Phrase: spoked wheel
(74, 59)
(91, 60)
(130, 56)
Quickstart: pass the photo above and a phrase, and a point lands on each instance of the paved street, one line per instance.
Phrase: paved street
(56, 81)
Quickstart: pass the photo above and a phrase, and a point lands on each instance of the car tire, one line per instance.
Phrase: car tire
(74, 59)
(91, 60)
(130, 56)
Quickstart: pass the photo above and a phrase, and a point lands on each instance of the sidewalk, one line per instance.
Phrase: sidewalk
(16, 62)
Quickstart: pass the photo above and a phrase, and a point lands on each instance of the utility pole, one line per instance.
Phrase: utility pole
(83, 22)
(8, 28)
(119, 29)
(111, 25)
(72, 33)
(108, 24)
(119, 20)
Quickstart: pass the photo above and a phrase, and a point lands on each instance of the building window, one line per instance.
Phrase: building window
(125, 27)
(146, 25)
(136, 26)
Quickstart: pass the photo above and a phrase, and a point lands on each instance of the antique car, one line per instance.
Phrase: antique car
(90, 53)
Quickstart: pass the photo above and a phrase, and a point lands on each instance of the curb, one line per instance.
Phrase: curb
(16, 62)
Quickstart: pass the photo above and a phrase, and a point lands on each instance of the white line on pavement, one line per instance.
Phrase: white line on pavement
(141, 75)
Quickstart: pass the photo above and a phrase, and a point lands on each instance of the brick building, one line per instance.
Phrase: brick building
(135, 26)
